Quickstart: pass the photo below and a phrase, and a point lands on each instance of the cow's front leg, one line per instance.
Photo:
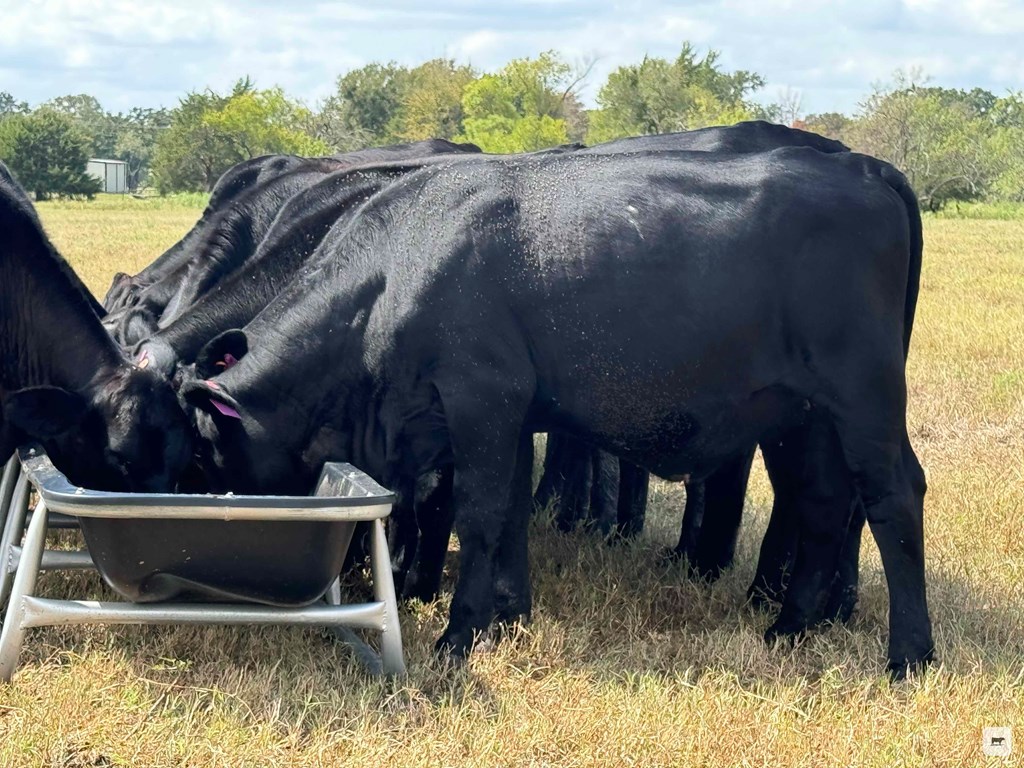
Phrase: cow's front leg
(484, 427)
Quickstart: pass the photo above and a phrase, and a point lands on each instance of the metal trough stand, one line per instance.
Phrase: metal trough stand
(343, 494)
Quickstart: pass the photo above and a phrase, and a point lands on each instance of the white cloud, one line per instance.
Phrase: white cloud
(131, 53)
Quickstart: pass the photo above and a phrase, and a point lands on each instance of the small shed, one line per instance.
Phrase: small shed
(112, 174)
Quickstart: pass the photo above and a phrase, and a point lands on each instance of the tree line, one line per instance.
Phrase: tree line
(953, 144)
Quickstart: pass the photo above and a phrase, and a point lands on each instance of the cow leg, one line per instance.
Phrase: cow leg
(782, 459)
(632, 505)
(434, 519)
(512, 598)
(869, 405)
(485, 421)
(604, 492)
(693, 518)
(894, 505)
(823, 501)
(577, 464)
(778, 553)
(558, 452)
(724, 494)
(567, 478)
(843, 600)
(403, 537)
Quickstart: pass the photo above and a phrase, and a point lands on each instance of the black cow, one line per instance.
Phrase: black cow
(64, 382)
(225, 242)
(293, 239)
(231, 237)
(569, 465)
(125, 289)
(673, 308)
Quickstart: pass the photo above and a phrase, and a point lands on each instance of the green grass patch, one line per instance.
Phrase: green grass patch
(1002, 211)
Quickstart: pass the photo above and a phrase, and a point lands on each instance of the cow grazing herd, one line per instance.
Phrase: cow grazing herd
(659, 304)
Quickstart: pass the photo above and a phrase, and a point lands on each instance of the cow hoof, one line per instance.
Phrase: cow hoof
(508, 625)
(512, 614)
(841, 605)
(704, 574)
(786, 635)
(454, 646)
(900, 670)
(761, 602)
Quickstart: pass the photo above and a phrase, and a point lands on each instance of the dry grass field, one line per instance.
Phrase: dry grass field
(625, 663)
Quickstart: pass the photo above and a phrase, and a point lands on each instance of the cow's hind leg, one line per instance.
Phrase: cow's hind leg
(632, 508)
(822, 502)
(843, 600)
(567, 479)
(604, 492)
(512, 598)
(778, 547)
(724, 493)
(871, 422)
(894, 506)
(689, 529)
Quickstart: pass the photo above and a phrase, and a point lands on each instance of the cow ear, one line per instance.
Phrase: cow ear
(137, 325)
(44, 412)
(221, 352)
(210, 397)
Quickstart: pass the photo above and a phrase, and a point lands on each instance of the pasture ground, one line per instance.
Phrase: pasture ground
(625, 663)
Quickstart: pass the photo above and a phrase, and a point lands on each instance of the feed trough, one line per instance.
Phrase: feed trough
(203, 558)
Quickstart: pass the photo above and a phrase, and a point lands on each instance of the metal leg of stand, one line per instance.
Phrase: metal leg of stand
(333, 596)
(24, 585)
(14, 527)
(12, 469)
(384, 590)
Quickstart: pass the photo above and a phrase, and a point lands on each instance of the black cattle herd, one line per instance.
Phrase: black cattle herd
(659, 304)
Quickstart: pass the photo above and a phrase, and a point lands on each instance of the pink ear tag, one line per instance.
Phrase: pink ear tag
(228, 361)
(225, 409)
(143, 361)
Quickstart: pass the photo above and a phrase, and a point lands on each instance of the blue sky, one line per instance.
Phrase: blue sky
(150, 52)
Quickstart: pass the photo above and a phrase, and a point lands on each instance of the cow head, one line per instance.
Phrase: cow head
(241, 448)
(126, 433)
(157, 355)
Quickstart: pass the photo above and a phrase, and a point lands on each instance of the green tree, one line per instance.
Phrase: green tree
(11, 106)
(431, 106)
(208, 133)
(365, 109)
(661, 96)
(47, 153)
(938, 137)
(99, 128)
(264, 122)
(191, 155)
(1006, 147)
(834, 125)
(521, 108)
(138, 132)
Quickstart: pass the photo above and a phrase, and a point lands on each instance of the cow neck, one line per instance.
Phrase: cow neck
(49, 333)
(349, 428)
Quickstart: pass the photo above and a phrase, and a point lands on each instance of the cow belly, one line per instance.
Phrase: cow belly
(685, 439)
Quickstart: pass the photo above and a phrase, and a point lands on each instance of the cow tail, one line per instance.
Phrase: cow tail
(902, 187)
